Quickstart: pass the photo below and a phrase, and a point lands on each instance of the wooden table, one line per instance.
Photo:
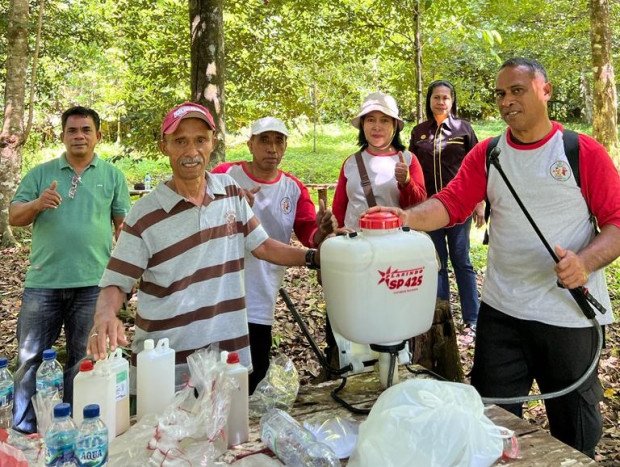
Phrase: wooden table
(139, 193)
(537, 447)
(322, 190)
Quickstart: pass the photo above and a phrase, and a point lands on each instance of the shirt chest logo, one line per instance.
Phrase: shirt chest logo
(231, 224)
(286, 205)
(560, 170)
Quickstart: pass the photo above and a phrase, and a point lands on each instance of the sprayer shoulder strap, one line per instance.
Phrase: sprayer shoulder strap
(366, 186)
(571, 149)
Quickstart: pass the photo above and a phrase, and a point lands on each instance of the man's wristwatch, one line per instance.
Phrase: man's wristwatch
(310, 259)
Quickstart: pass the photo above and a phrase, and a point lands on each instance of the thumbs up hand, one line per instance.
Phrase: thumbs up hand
(401, 170)
(326, 223)
(250, 194)
(49, 199)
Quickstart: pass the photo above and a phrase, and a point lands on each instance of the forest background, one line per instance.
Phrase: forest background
(309, 62)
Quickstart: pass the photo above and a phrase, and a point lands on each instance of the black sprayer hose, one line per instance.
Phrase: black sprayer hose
(579, 294)
(342, 372)
(562, 392)
(322, 360)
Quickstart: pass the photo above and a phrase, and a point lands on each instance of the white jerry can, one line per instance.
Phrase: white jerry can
(380, 284)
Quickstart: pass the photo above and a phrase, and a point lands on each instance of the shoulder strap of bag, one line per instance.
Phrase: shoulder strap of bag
(487, 205)
(366, 186)
(571, 149)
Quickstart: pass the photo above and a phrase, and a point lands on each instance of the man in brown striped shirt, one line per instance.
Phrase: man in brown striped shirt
(186, 242)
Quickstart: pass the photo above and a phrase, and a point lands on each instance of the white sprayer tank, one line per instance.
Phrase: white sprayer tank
(380, 284)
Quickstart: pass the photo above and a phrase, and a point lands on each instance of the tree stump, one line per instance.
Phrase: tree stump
(437, 349)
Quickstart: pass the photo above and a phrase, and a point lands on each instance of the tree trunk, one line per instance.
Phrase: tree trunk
(437, 348)
(418, 65)
(208, 67)
(586, 93)
(33, 74)
(605, 116)
(12, 136)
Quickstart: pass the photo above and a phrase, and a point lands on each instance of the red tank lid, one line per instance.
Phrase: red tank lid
(233, 357)
(86, 365)
(380, 220)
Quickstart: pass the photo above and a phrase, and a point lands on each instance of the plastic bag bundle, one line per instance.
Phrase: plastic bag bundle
(422, 422)
(30, 446)
(11, 456)
(278, 389)
(43, 404)
(190, 432)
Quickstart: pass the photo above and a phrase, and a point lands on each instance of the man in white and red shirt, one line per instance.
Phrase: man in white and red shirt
(528, 327)
(282, 204)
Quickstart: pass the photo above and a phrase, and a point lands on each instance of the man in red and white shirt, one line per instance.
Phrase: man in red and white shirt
(282, 204)
(528, 327)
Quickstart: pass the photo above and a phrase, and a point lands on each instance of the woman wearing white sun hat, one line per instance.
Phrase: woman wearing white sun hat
(395, 175)
(392, 177)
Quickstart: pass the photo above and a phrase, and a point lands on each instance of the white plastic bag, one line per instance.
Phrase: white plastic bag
(190, 431)
(423, 422)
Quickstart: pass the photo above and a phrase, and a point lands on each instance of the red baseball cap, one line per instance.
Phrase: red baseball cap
(185, 110)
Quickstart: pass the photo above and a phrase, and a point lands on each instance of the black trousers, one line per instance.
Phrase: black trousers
(511, 353)
(260, 348)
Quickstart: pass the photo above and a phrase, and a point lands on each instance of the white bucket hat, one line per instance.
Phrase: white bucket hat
(384, 103)
(268, 124)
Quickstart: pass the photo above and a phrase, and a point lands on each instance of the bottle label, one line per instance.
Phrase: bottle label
(6, 396)
(57, 456)
(95, 456)
(48, 385)
(122, 385)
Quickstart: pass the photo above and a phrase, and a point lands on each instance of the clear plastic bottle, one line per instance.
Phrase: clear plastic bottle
(60, 438)
(6, 395)
(147, 181)
(293, 444)
(238, 424)
(49, 374)
(91, 447)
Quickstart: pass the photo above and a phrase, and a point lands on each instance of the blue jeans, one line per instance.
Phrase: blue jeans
(41, 318)
(455, 242)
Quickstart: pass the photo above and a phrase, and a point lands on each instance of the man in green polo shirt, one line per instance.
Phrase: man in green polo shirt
(75, 204)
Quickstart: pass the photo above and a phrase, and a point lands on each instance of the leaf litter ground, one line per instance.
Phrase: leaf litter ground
(306, 294)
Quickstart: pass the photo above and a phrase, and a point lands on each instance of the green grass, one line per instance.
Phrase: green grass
(334, 142)
(135, 165)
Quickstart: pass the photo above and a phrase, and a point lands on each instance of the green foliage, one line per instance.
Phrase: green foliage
(334, 143)
(298, 59)
(292, 58)
(135, 167)
(488, 128)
